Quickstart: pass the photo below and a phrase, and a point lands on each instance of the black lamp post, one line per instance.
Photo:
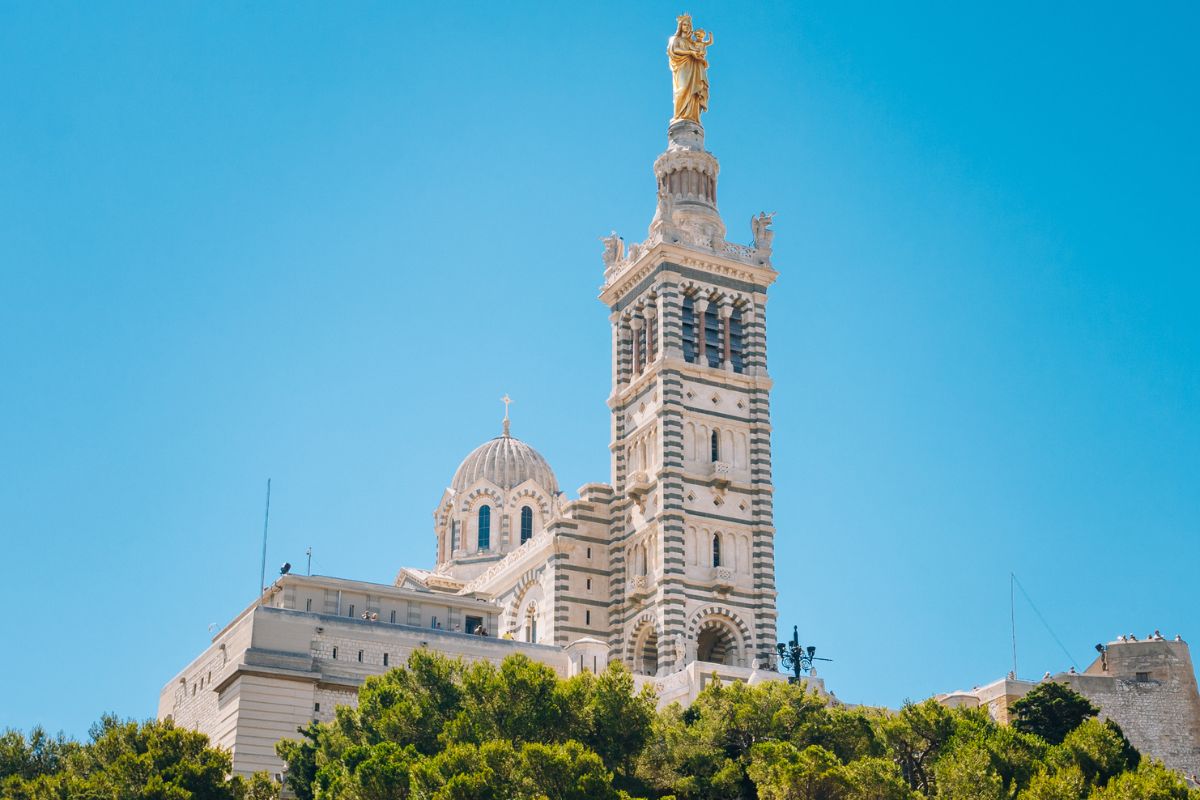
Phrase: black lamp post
(796, 658)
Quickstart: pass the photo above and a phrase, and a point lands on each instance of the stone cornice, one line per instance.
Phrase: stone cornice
(634, 272)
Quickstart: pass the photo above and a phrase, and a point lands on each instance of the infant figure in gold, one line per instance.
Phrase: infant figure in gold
(688, 57)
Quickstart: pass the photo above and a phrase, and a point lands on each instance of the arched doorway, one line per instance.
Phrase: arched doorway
(717, 643)
(645, 650)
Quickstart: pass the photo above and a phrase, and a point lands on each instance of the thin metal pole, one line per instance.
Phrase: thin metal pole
(1012, 616)
(262, 575)
(308, 553)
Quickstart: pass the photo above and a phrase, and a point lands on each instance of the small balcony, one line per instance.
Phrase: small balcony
(639, 587)
(720, 472)
(638, 486)
(722, 577)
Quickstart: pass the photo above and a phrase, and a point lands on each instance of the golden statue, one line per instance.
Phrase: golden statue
(686, 52)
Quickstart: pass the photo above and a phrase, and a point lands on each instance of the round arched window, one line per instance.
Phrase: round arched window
(526, 524)
(485, 528)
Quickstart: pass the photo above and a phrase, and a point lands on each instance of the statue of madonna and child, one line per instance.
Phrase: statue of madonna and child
(688, 57)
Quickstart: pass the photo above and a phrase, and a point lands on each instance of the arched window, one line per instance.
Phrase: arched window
(715, 445)
(716, 549)
(713, 349)
(643, 355)
(485, 527)
(736, 338)
(689, 329)
(526, 524)
(531, 623)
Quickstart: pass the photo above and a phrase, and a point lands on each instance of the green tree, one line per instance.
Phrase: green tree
(126, 760)
(966, 773)
(875, 779)
(258, 786)
(407, 705)
(705, 751)
(781, 772)
(915, 738)
(614, 721)
(436, 729)
(300, 756)
(851, 734)
(28, 757)
(1062, 784)
(1150, 781)
(498, 770)
(683, 757)
(1098, 750)
(519, 701)
(1051, 710)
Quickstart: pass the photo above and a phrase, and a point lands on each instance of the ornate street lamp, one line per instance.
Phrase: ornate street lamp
(796, 658)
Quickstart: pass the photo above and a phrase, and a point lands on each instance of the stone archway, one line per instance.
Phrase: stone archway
(717, 643)
(645, 647)
(719, 636)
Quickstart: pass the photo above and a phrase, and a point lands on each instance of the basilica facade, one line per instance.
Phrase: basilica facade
(667, 567)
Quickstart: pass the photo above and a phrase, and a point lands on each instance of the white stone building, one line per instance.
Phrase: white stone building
(668, 567)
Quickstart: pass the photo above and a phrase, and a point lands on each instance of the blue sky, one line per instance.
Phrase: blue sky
(317, 242)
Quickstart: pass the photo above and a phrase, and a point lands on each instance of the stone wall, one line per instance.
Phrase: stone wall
(273, 670)
(1149, 689)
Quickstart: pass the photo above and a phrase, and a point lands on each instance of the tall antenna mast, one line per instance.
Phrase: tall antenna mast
(262, 575)
(1012, 616)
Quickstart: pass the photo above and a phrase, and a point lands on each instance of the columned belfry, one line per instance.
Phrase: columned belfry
(692, 555)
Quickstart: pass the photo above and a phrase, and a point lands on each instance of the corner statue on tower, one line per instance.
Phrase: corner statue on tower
(687, 55)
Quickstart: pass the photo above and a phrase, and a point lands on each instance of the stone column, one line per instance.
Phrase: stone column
(726, 316)
(701, 306)
(651, 333)
(618, 348)
(670, 320)
(635, 324)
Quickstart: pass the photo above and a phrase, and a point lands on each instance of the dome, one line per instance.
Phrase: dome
(507, 462)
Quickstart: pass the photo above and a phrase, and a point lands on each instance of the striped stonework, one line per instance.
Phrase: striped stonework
(676, 597)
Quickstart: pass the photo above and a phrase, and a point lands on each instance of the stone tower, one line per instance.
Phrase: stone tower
(693, 571)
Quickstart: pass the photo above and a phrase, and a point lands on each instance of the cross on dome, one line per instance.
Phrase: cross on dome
(507, 401)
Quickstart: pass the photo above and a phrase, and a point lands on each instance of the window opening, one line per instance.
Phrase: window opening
(485, 527)
(689, 329)
(526, 524)
(716, 550)
(713, 349)
(736, 342)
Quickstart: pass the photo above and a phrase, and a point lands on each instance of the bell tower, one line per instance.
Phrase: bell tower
(692, 533)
